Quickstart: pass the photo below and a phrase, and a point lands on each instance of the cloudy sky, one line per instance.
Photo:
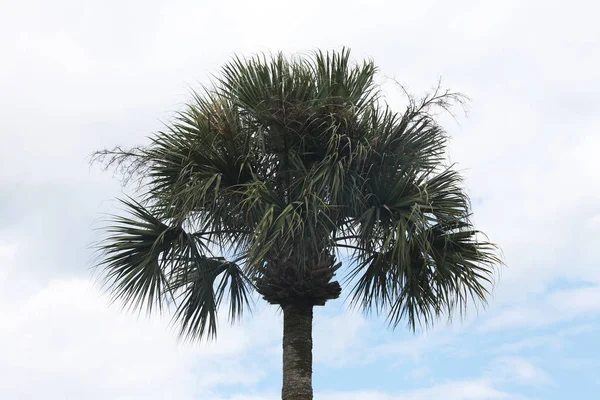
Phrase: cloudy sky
(77, 76)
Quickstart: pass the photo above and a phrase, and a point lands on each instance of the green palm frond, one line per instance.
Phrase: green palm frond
(280, 163)
(199, 289)
(138, 253)
(148, 263)
(417, 255)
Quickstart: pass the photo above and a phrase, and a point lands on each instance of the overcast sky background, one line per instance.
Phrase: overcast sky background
(78, 76)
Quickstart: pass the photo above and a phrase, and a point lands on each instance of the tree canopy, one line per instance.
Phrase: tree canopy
(282, 173)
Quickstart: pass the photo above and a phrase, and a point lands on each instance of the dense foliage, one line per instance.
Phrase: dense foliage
(266, 178)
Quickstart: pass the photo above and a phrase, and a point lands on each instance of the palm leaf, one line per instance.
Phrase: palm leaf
(278, 164)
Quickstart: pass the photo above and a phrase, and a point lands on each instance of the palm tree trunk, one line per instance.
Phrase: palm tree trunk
(297, 352)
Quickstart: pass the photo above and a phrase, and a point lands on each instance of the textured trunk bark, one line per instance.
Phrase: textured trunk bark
(297, 352)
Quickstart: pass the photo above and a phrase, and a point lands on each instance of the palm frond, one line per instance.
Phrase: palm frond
(199, 293)
(148, 263)
(417, 255)
(138, 253)
(280, 162)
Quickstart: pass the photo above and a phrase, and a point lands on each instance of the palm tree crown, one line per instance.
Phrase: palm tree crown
(263, 180)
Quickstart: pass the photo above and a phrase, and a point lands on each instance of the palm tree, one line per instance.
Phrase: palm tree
(273, 176)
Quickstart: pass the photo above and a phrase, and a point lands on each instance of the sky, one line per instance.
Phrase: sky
(78, 76)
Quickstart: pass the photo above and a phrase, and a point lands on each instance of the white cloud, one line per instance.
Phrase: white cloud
(8, 254)
(64, 342)
(420, 373)
(339, 339)
(414, 348)
(551, 308)
(576, 302)
(262, 396)
(553, 342)
(456, 390)
(520, 370)
(475, 389)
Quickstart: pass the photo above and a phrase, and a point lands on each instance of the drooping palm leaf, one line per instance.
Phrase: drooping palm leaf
(148, 263)
(281, 163)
